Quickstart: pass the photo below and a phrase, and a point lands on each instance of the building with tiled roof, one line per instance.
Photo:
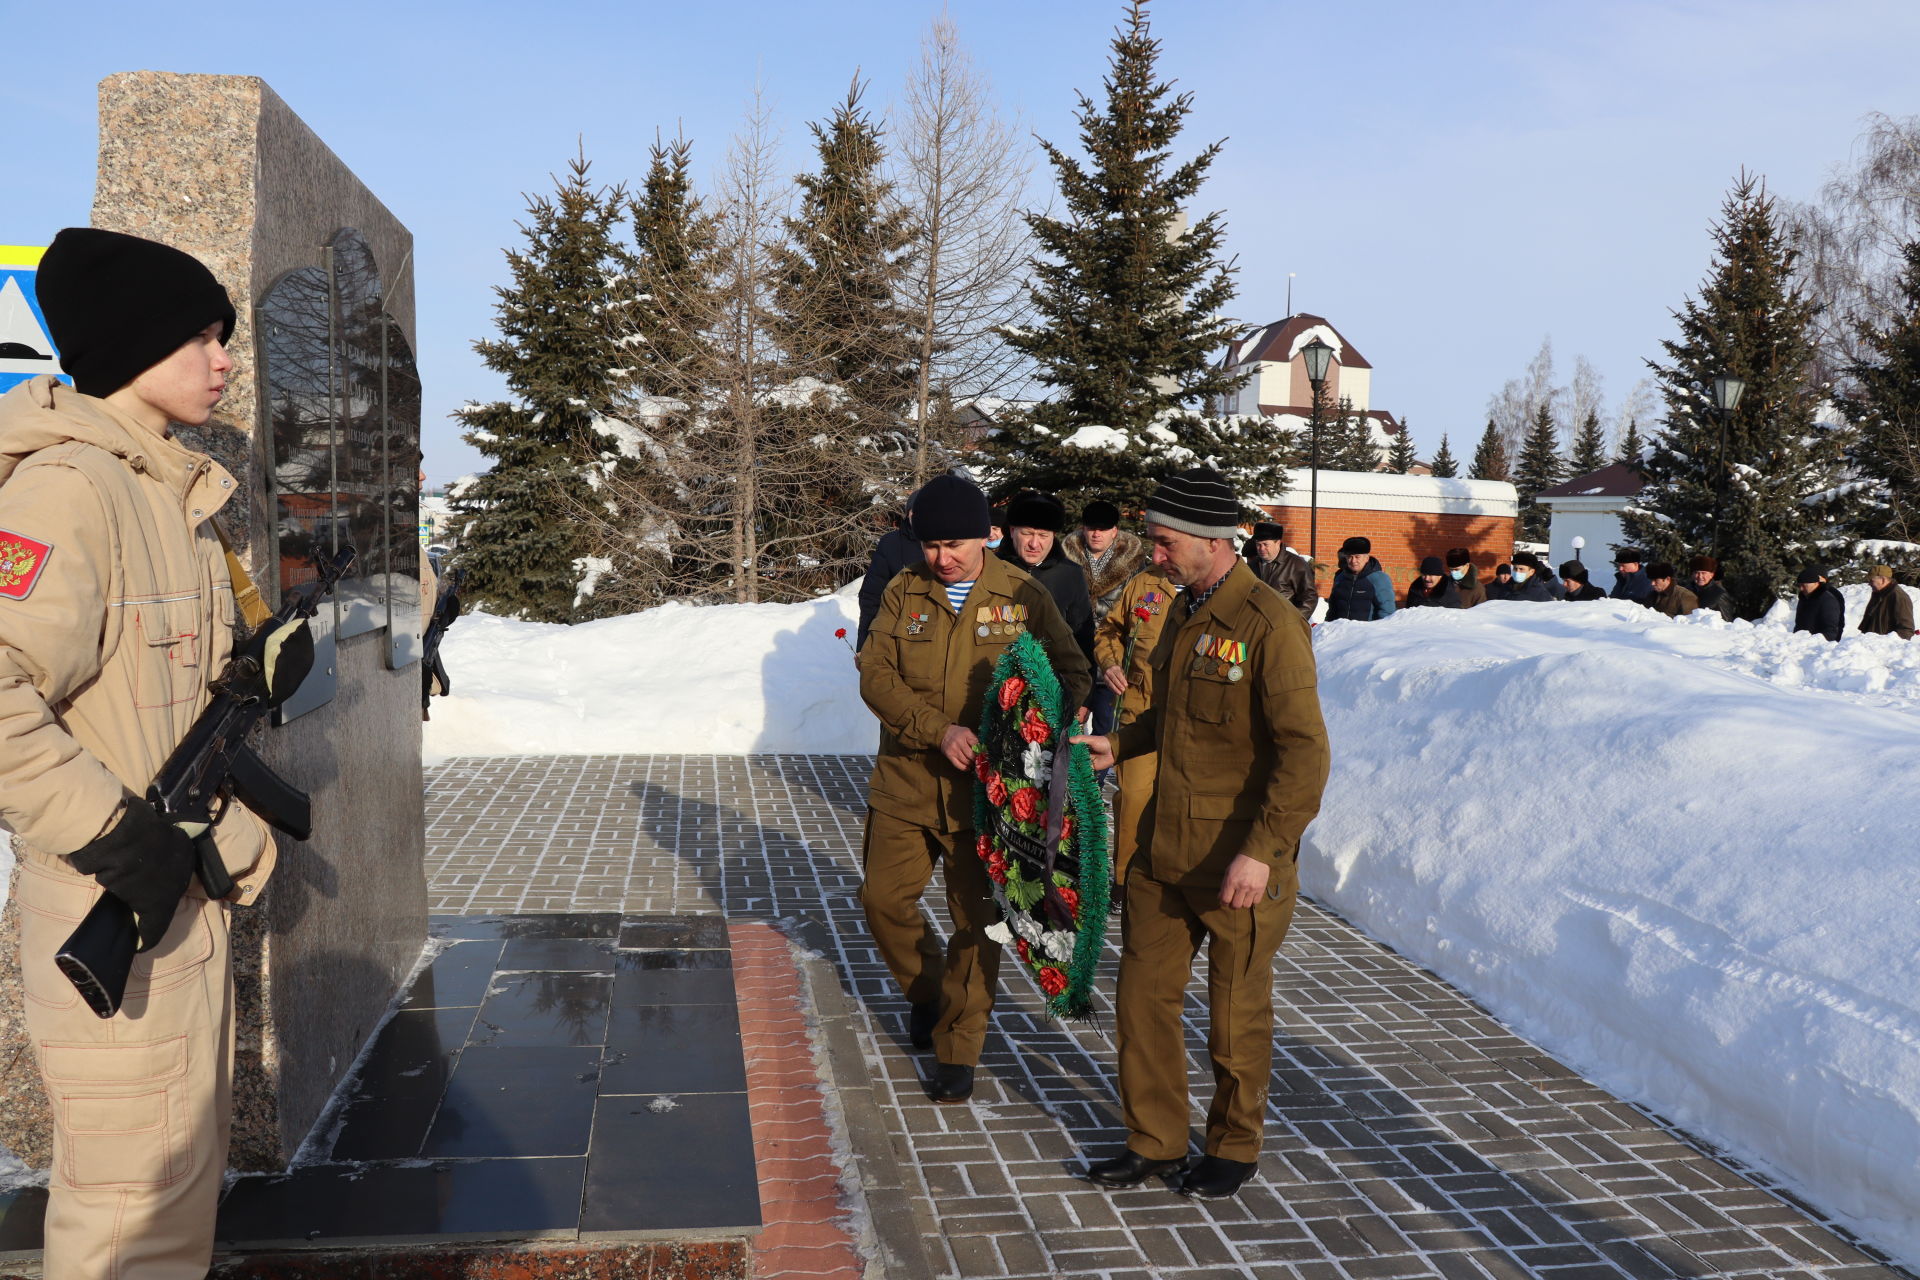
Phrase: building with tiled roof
(1277, 384)
(1589, 508)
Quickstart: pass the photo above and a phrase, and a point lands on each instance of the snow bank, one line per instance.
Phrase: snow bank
(718, 679)
(1676, 853)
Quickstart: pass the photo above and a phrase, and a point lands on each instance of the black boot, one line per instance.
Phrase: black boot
(1130, 1169)
(921, 1020)
(951, 1082)
(1216, 1178)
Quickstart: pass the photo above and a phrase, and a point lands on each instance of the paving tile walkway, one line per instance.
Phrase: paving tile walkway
(1410, 1133)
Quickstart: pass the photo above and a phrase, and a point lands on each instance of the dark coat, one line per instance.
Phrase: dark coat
(1290, 575)
(1889, 612)
(1444, 596)
(1472, 592)
(1632, 586)
(1587, 591)
(1536, 588)
(1821, 611)
(1066, 582)
(1716, 597)
(1674, 601)
(1361, 597)
(895, 552)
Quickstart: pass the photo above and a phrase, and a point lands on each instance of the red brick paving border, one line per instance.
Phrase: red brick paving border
(805, 1225)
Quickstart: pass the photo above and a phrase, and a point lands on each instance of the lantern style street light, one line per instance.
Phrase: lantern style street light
(1727, 391)
(1318, 356)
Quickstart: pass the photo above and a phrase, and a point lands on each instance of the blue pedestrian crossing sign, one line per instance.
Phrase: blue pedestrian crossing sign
(25, 349)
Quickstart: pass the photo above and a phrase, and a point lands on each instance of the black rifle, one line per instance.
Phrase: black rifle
(212, 764)
(445, 609)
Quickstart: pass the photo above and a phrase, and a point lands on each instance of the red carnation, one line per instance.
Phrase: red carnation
(996, 789)
(1072, 898)
(1034, 727)
(984, 847)
(1025, 952)
(1141, 612)
(1052, 981)
(840, 634)
(997, 869)
(1026, 804)
(1010, 692)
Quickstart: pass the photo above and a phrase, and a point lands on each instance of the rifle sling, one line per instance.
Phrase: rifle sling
(253, 610)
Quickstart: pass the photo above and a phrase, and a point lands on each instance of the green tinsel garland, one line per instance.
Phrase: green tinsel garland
(1026, 659)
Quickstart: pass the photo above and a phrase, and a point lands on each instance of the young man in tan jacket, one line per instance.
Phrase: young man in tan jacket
(924, 671)
(116, 608)
(1242, 751)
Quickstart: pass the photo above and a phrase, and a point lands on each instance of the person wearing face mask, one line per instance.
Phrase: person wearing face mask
(1529, 583)
(1361, 592)
(1466, 577)
(1578, 585)
(1433, 588)
(997, 530)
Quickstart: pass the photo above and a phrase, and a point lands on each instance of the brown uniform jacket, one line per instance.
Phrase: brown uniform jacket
(1888, 612)
(1242, 760)
(1110, 639)
(1674, 601)
(104, 661)
(924, 668)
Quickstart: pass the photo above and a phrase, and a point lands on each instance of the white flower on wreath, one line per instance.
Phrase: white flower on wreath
(1058, 944)
(1037, 763)
(998, 932)
(1029, 928)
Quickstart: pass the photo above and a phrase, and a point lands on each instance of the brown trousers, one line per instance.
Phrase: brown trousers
(1136, 775)
(142, 1101)
(1161, 933)
(897, 859)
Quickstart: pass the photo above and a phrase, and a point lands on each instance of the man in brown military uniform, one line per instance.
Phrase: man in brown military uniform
(1242, 762)
(924, 671)
(1140, 613)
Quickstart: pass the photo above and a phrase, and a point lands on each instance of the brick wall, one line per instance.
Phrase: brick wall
(1401, 539)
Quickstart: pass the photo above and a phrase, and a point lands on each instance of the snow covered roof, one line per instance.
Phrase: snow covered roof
(1381, 418)
(1617, 480)
(1391, 491)
(1281, 341)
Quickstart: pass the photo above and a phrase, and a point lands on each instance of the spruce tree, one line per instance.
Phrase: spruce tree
(1400, 456)
(1764, 490)
(1490, 459)
(1129, 308)
(522, 545)
(1633, 445)
(1539, 467)
(1589, 447)
(1882, 402)
(674, 240)
(1353, 447)
(1444, 465)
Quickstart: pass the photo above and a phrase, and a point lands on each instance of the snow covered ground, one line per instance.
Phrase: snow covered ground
(1679, 854)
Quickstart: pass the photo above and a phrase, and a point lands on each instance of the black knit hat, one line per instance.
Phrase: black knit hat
(1433, 567)
(1457, 557)
(1357, 546)
(1574, 571)
(948, 508)
(1198, 502)
(1036, 511)
(1810, 574)
(1100, 515)
(1267, 531)
(117, 305)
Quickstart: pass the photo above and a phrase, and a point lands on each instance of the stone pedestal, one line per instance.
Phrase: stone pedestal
(220, 167)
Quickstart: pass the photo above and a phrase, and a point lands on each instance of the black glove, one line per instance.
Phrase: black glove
(146, 863)
(285, 653)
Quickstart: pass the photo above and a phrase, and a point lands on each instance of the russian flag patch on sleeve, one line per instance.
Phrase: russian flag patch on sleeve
(21, 560)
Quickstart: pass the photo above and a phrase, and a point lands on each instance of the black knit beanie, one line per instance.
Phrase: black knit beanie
(1198, 502)
(948, 508)
(117, 305)
(1037, 511)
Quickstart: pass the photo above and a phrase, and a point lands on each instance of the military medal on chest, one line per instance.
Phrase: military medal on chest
(1219, 656)
(916, 623)
(1000, 619)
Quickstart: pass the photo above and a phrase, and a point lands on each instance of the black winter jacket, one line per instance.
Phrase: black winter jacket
(1444, 596)
(1633, 586)
(1066, 582)
(1587, 591)
(1821, 611)
(895, 552)
(1361, 597)
(1714, 596)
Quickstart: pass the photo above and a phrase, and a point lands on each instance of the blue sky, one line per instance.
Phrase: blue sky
(1450, 182)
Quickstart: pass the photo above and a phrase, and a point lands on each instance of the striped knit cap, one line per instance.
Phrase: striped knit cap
(1199, 502)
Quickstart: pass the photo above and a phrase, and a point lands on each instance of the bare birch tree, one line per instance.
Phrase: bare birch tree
(963, 170)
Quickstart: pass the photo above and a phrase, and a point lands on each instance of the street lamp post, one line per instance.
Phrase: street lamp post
(1727, 391)
(1318, 355)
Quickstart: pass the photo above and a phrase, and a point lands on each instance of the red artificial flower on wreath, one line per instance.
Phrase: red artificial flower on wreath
(980, 766)
(1066, 829)
(997, 868)
(1052, 981)
(1010, 692)
(983, 846)
(1024, 951)
(1072, 898)
(996, 789)
(1034, 727)
(1026, 804)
